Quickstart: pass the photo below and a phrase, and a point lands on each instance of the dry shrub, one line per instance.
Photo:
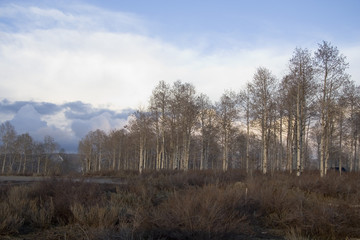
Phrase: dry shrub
(41, 212)
(294, 233)
(10, 220)
(95, 216)
(63, 194)
(331, 221)
(189, 204)
(206, 212)
(279, 204)
(19, 209)
(113, 209)
(169, 180)
(313, 206)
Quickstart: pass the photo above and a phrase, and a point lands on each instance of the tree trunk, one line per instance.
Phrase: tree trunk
(141, 155)
(265, 143)
(298, 133)
(225, 150)
(119, 157)
(19, 168)
(281, 143)
(114, 159)
(247, 141)
(38, 165)
(289, 144)
(25, 162)
(4, 164)
(340, 142)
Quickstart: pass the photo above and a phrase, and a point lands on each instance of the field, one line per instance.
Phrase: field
(184, 205)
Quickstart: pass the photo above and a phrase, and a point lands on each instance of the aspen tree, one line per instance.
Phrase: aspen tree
(49, 148)
(159, 105)
(227, 113)
(287, 97)
(24, 145)
(185, 110)
(115, 148)
(351, 98)
(302, 71)
(39, 152)
(262, 90)
(8, 137)
(331, 67)
(205, 111)
(141, 127)
(246, 104)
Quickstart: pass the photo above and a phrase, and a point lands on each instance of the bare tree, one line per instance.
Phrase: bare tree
(262, 90)
(99, 137)
(350, 99)
(140, 126)
(331, 67)
(39, 153)
(91, 149)
(159, 102)
(49, 149)
(8, 137)
(302, 72)
(24, 144)
(288, 104)
(184, 101)
(114, 144)
(245, 103)
(227, 112)
(206, 112)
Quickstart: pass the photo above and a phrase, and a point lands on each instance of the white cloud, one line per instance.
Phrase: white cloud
(104, 121)
(65, 61)
(107, 58)
(27, 119)
(122, 69)
(353, 57)
(66, 123)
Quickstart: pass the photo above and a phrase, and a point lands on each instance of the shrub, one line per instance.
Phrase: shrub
(208, 212)
(187, 205)
(10, 220)
(95, 216)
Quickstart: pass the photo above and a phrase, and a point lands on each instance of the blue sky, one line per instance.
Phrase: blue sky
(105, 57)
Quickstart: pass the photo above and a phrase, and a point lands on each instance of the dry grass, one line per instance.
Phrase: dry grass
(186, 205)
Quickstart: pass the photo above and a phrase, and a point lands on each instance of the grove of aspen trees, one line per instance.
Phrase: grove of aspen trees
(308, 119)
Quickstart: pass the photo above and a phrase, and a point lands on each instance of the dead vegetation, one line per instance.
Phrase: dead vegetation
(185, 205)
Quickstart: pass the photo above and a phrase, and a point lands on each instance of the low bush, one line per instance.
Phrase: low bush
(208, 210)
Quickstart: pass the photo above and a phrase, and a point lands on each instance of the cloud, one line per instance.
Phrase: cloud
(67, 123)
(80, 110)
(44, 108)
(79, 55)
(27, 119)
(81, 17)
(82, 67)
(9, 107)
(104, 121)
(353, 57)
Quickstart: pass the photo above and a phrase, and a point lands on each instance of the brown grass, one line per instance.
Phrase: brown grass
(186, 205)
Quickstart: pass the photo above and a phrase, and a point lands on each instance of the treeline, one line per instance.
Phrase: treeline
(21, 154)
(307, 119)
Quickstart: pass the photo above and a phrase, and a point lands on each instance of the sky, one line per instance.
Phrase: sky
(69, 67)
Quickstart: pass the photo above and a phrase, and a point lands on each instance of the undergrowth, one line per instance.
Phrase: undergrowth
(186, 205)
